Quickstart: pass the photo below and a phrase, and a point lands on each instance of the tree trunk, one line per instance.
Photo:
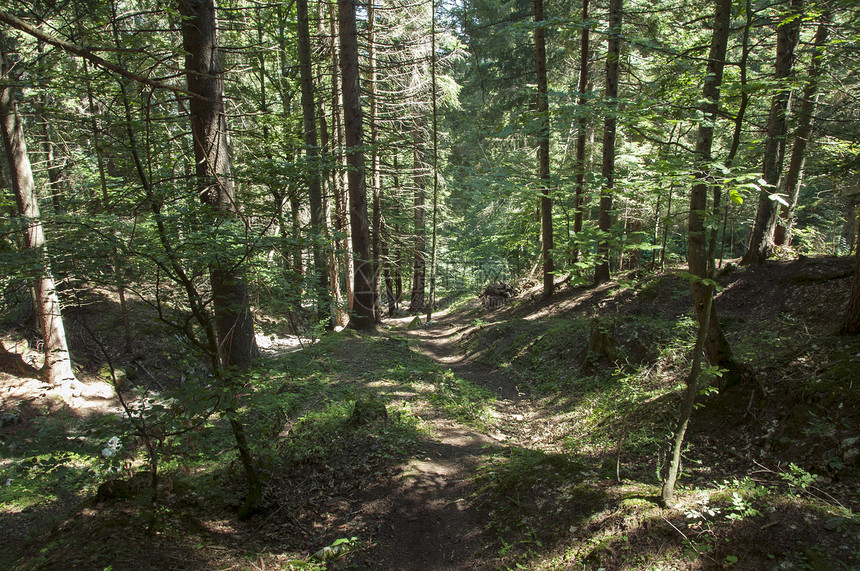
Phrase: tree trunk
(582, 130)
(435, 134)
(362, 316)
(601, 272)
(339, 184)
(376, 175)
(57, 369)
(702, 292)
(234, 322)
(803, 134)
(321, 296)
(851, 321)
(55, 177)
(716, 346)
(761, 241)
(335, 293)
(416, 303)
(389, 284)
(543, 152)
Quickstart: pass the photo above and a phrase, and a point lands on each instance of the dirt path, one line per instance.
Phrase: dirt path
(426, 517)
(520, 418)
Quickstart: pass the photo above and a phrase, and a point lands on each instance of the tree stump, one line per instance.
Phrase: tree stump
(601, 344)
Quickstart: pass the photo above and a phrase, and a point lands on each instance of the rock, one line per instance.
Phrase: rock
(496, 295)
(118, 377)
(10, 417)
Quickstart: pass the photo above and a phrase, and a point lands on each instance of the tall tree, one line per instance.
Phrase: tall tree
(419, 264)
(702, 290)
(582, 126)
(375, 172)
(601, 272)
(793, 179)
(761, 244)
(57, 369)
(435, 162)
(234, 322)
(312, 152)
(543, 151)
(363, 298)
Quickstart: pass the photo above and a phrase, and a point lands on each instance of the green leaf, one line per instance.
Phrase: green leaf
(736, 197)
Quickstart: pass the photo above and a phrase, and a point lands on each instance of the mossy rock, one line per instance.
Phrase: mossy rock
(118, 373)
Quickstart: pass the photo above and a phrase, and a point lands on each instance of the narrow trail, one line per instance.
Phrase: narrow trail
(521, 418)
(427, 517)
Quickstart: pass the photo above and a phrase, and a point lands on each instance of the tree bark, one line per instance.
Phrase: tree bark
(601, 272)
(362, 316)
(376, 175)
(582, 130)
(850, 324)
(716, 346)
(321, 296)
(416, 303)
(234, 322)
(338, 178)
(543, 151)
(794, 176)
(702, 292)
(57, 369)
(761, 242)
(435, 163)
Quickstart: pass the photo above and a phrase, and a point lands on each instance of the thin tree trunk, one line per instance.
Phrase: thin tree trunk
(57, 369)
(582, 130)
(339, 173)
(416, 303)
(106, 205)
(739, 120)
(670, 477)
(321, 296)
(362, 316)
(850, 324)
(435, 135)
(398, 262)
(543, 151)
(601, 272)
(702, 292)
(794, 176)
(699, 255)
(761, 240)
(389, 284)
(339, 314)
(55, 177)
(376, 175)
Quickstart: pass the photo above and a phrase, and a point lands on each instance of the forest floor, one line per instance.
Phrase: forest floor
(482, 440)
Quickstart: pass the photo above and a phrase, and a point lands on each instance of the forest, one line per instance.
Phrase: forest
(430, 284)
